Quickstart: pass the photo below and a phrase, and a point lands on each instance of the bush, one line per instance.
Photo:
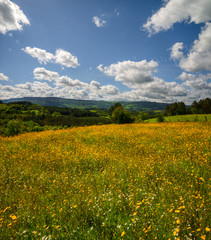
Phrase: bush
(160, 118)
(14, 127)
(120, 116)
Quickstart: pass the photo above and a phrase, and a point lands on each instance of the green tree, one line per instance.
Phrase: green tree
(160, 118)
(143, 116)
(14, 127)
(120, 116)
(113, 107)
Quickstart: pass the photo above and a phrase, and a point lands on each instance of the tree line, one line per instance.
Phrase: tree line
(20, 117)
(203, 106)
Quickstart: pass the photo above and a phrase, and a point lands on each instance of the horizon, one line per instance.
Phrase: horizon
(107, 50)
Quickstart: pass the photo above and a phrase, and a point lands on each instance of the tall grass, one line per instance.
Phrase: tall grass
(137, 181)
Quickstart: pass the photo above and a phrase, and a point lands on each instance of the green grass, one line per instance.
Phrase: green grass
(184, 118)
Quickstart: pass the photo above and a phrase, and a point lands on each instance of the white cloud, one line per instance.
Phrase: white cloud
(61, 57)
(173, 11)
(3, 77)
(69, 82)
(11, 17)
(66, 59)
(131, 73)
(109, 90)
(196, 82)
(95, 85)
(43, 74)
(41, 55)
(98, 22)
(199, 57)
(176, 52)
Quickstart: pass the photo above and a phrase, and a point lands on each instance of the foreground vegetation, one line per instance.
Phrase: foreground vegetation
(137, 181)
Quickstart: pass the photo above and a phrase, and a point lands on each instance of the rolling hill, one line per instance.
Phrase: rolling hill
(91, 104)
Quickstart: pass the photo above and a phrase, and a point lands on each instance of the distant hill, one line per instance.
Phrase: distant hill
(89, 104)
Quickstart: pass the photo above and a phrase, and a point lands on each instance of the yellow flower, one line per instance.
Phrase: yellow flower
(178, 221)
(207, 229)
(203, 237)
(13, 217)
(123, 233)
(177, 211)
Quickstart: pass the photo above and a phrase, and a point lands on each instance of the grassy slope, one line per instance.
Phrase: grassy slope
(185, 118)
(149, 181)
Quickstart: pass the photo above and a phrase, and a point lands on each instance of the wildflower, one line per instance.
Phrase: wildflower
(123, 233)
(178, 221)
(13, 217)
(207, 229)
(203, 237)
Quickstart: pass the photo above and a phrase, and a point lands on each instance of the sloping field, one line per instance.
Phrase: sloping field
(184, 118)
(137, 181)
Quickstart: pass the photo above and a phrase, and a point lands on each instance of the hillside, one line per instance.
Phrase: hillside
(137, 181)
(91, 104)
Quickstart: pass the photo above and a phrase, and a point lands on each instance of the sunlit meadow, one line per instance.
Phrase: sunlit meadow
(135, 181)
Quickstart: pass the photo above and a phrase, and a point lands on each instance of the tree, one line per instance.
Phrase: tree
(113, 107)
(177, 108)
(160, 118)
(14, 127)
(143, 116)
(119, 115)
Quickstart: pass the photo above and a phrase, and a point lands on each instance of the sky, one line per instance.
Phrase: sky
(115, 50)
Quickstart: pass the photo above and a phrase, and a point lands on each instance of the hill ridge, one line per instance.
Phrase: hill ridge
(92, 104)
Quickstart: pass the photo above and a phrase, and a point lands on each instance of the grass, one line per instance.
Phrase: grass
(137, 181)
(184, 118)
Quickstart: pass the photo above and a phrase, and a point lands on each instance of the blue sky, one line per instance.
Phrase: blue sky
(130, 50)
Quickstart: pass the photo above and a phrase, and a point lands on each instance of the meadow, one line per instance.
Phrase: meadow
(184, 118)
(131, 181)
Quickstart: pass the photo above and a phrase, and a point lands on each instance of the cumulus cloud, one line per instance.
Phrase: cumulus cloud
(173, 11)
(42, 55)
(43, 74)
(98, 22)
(139, 76)
(66, 59)
(3, 77)
(131, 73)
(69, 82)
(61, 57)
(11, 17)
(176, 51)
(199, 57)
(197, 82)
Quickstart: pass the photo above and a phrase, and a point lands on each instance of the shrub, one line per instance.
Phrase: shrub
(160, 118)
(14, 127)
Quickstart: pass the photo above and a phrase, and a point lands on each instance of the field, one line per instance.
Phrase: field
(135, 181)
(185, 118)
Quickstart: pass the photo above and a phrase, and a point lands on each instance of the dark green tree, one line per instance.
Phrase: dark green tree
(113, 107)
(120, 116)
